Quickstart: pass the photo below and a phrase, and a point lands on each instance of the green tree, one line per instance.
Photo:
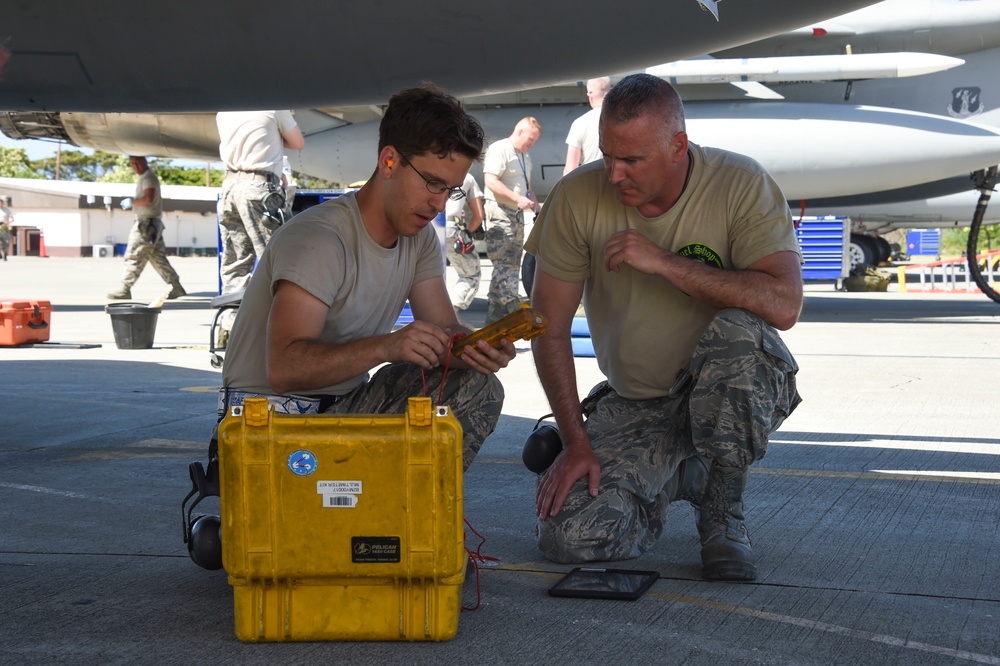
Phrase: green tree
(77, 165)
(309, 183)
(118, 172)
(14, 163)
(177, 175)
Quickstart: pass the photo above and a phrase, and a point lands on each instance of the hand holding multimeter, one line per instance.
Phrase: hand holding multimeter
(522, 324)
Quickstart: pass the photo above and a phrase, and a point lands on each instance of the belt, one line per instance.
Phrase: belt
(510, 209)
(282, 404)
(253, 175)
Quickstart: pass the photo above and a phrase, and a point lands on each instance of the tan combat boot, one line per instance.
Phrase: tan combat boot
(122, 294)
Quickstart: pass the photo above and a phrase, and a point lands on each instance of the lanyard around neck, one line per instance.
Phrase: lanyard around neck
(524, 171)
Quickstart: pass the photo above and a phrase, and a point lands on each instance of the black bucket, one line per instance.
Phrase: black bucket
(134, 324)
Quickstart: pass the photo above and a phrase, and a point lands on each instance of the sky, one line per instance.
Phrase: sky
(38, 150)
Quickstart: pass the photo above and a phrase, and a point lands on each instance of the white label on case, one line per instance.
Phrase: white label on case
(338, 487)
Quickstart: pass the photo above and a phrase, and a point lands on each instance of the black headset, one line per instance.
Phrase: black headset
(203, 533)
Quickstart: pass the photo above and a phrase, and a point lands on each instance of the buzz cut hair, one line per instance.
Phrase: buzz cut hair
(640, 94)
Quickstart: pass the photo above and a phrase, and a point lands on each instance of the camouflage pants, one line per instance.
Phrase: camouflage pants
(737, 390)
(469, 271)
(474, 398)
(145, 245)
(504, 246)
(4, 242)
(249, 208)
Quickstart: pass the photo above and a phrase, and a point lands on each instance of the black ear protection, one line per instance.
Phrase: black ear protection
(203, 533)
(544, 444)
(541, 447)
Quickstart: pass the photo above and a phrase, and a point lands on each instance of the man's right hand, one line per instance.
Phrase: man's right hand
(420, 343)
(572, 464)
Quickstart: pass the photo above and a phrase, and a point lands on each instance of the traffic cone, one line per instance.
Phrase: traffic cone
(41, 246)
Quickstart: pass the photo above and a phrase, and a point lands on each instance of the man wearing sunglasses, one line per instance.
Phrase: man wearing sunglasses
(318, 314)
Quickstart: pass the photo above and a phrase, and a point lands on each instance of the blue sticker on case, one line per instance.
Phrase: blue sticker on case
(302, 462)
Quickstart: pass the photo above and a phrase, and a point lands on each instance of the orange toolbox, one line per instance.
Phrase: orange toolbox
(343, 527)
(23, 322)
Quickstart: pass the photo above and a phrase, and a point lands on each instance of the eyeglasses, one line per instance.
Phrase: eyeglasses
(435, 186)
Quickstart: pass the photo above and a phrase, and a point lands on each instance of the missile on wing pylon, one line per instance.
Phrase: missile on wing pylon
(804, 68)
(831, 150)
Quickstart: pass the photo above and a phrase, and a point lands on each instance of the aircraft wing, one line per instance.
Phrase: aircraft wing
(181, 56)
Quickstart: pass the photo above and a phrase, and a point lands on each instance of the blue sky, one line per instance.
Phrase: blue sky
(38, 150)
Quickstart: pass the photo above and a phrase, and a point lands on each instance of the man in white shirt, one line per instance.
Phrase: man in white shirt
(582, 141)
(252, 145)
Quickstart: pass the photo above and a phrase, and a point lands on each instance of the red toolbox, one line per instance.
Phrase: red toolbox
(23, 322)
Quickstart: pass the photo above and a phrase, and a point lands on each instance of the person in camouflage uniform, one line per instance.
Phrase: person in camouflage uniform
(507, 175)
(145, 240)
(466, 263)
(253, 201)
(6, 222)
(687, 263)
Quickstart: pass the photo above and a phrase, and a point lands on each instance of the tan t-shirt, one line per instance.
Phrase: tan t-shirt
(148, 181)
(327, 251)
(644, 329)
(513, 168)
(251, 140)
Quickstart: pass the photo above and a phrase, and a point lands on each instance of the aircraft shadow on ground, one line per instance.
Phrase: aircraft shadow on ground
(66, 401)
(846, 309)
(820, 437)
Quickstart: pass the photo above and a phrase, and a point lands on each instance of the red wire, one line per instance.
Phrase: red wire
(476, 558)
(447, 364)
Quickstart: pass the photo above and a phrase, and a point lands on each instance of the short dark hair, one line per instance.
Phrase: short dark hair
(426, 119)
(638, 94)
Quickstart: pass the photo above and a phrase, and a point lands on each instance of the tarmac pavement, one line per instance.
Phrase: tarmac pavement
(874, 514)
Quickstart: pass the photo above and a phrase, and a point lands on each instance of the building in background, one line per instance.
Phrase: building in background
(79, 219)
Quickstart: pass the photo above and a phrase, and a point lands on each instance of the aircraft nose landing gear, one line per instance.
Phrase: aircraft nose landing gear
(985, 180)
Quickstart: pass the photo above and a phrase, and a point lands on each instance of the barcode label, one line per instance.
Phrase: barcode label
(340, 501)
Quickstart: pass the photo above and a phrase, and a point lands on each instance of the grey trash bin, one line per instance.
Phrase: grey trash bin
(134, 324)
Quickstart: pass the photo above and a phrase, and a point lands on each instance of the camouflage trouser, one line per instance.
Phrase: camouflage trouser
(504, 245)
(469, 271)
(4, 241)
(249, 208)
(145, 245)
(475, 399)
(738, 389)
